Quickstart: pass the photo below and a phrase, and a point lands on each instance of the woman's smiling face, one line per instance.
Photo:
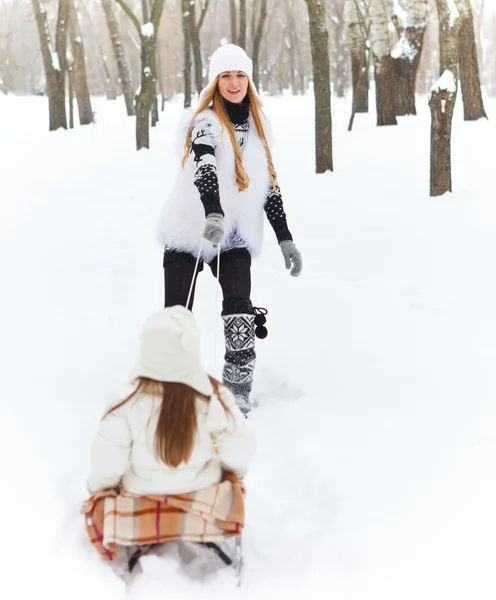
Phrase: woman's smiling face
(233, 86)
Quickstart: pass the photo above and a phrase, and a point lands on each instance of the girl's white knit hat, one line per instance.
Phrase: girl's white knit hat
(227, 58)
(170, 350)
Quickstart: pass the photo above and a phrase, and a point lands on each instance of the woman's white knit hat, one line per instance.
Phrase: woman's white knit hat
(227, 58)
(170, 350)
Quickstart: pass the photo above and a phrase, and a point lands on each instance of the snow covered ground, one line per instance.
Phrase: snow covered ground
(374, 477)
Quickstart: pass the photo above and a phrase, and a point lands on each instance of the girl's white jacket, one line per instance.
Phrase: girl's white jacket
(123, 449)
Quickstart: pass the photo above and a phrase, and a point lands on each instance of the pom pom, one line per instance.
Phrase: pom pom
(260, 320)
(261, 332)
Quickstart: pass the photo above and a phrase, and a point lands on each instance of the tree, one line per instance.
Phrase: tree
(319, 40)
(233, 18)
(120, 56)
(195, 27)
(148, 38)
(383, 63)
(257, 33)
(242, 24)
(358, 34)
(443, 97)
(53, 65)
(473, 106)
(410, 18)
(79, 69)
(186, 20)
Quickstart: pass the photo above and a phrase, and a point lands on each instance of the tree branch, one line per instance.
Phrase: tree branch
(203, 14)
(157, 9)
(130, 14)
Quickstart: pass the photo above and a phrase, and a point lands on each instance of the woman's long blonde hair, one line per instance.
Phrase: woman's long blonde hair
(213, 97)
(176, 425)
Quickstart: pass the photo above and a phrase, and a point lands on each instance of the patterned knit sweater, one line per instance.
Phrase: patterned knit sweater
(202, 146)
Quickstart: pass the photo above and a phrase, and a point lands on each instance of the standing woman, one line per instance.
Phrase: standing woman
(226, 184)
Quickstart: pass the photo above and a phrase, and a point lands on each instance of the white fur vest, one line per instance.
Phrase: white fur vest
(182, 219)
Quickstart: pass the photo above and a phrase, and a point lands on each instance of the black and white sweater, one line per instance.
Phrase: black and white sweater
(205, 179)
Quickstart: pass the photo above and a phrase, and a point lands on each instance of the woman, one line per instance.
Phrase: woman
(217, 205)
(178, 429)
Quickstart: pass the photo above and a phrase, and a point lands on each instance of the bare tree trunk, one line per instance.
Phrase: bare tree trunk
(319, 41)
(120, 56)
(196, 47)
(242, 24)
(233, 16)
(79, 69)
(383, 63)
(442, 99)
(358, 51)
(473, 106)
(410, 23)
(53, 70)
(187, 52)
(70, 73)
(257, 40)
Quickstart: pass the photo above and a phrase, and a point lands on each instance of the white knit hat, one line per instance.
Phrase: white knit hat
(227, 58)
(170, 350)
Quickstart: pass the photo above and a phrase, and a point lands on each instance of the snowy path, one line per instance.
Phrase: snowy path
(376, 426)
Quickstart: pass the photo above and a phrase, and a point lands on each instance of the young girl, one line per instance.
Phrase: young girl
(178, 428)
(217, 207)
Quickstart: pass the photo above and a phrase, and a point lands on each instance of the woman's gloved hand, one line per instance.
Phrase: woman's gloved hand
(214, 228)
(292, 257)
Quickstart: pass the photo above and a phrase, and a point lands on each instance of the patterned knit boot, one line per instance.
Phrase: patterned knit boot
(239, 333)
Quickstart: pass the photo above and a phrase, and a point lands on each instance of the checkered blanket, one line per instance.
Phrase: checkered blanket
(207, 515)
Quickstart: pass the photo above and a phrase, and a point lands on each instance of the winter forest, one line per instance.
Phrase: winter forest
(373, 394)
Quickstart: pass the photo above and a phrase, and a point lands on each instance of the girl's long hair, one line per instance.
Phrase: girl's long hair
(176, 426)
(213, 97)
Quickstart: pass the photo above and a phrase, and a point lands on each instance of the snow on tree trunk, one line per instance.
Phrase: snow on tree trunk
(187, 53)
(53, 71)
(79, 69)
(442, 98)
(410, 17)
(354, 17)
(473, 106)
(383, 63)
(319, 42)
(120, 56)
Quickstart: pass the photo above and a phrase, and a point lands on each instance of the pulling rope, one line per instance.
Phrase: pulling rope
(192, 285)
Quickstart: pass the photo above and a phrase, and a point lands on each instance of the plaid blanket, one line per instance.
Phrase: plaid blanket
(207, 515)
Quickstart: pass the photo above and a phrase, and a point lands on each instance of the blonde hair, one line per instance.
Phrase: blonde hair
(213, 97)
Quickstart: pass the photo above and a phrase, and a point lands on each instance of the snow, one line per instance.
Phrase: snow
(446, 82)
(55, 60)
(404, 48)
(453, 12)
(148, 30)
(376, 420)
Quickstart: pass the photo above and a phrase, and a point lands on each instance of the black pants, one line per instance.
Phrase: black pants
(234, 279)
(237, 311)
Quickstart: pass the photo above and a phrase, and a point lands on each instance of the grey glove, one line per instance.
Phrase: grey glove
(214, 228)
(292, 257)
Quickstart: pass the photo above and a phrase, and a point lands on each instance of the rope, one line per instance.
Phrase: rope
(195, 272)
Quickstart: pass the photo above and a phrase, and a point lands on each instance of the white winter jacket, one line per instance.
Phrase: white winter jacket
(123, 449)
